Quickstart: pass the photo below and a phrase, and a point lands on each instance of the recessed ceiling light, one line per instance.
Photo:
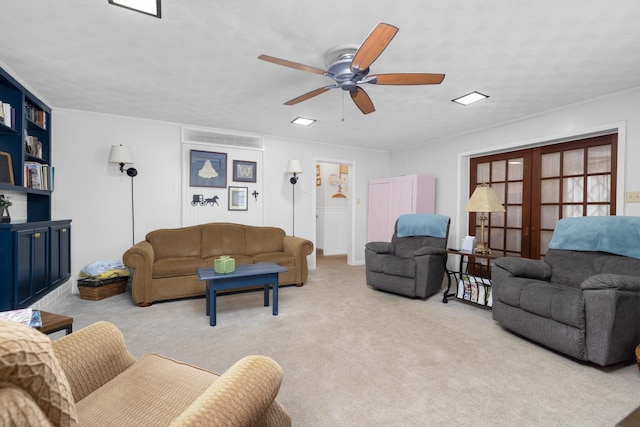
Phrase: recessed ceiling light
(302, 121)
(470, 98)
(149, 7)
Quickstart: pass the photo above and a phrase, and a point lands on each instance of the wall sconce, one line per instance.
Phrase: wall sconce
(294, 168)
(483, 199)
(122, 155)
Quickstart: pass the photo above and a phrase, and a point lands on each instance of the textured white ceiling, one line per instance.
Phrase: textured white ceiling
(198, 64)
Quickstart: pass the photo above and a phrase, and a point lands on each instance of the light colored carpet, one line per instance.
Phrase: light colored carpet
(355, 356)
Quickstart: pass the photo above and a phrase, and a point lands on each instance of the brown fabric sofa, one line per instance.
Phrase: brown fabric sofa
(89, 378)
(164, 264)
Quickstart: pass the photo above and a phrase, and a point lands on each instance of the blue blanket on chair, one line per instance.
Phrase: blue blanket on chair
(618, 235)
(423, 225)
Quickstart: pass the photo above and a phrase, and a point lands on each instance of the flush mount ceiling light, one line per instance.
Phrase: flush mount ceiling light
(148, 7)
(302, 121)
(470, 98)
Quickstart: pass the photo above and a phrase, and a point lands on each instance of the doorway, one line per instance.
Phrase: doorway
(334, 208)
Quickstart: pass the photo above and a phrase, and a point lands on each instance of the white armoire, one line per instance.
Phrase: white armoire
(391, 197)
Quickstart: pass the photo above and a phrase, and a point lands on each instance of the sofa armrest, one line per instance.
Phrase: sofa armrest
(140, 258)
(297, 245)
(92, 356)
(612, 281)
(525, 267)
(243, 395)
(380, 247)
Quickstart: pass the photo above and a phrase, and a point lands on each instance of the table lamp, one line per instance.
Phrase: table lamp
(483, 200)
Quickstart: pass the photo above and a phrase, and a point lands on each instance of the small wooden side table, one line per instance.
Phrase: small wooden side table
(52, 322)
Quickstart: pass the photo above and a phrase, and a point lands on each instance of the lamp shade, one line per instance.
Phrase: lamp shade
(484, 199)
(294, 167)
(120, 154)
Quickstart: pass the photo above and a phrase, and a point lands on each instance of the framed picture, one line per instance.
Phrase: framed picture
(208, 169)
(244, 171)
(6, 168)
(238, 198)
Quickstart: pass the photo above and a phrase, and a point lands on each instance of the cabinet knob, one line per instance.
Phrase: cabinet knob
(36, 235)
(64, 230)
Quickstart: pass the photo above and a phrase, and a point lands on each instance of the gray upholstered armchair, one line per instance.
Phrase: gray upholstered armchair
(412, 264)
(584, 298)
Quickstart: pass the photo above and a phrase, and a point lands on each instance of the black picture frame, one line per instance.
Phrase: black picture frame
(203, 165)
(244, 171)
(238, 198)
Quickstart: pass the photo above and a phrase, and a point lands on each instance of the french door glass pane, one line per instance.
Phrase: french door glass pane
(545, 238)
(599, 159)
(499, 190)
(482, 173)
(597, 210)
(514, 241)
(550, 165)
(499, 170)
(496, 219)
(550, 191)
(573, 162)
(516, 169)
(514, 216)
(573, 190)
(549, 216)
(598, 188)
(496, 238)
(514, 194)
(569, 211)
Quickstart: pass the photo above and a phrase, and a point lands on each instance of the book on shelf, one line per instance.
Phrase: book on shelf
(35, 115)
(38, 176)
(33, 146)
(7, 115)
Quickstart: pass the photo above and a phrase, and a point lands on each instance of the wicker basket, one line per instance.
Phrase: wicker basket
(638, 356)
(96, 289)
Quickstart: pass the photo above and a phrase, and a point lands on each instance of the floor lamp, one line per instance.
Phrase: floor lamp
(295, 169)
(122, 155)
(483, 199)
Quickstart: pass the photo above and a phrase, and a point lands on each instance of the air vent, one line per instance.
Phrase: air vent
(217, 137)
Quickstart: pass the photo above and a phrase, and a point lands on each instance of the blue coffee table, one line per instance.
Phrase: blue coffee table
(246, 275)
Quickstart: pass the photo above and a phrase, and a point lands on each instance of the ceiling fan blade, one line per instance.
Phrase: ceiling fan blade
(362, 100)
(308, 95)
(291, 64)
(406, 79)
(373, 46)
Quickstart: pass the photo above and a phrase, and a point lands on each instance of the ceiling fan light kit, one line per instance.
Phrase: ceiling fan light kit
(348, 66)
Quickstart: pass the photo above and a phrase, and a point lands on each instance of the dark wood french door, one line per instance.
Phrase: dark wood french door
(538, 186)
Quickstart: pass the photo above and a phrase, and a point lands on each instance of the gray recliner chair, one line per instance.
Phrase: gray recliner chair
(412, 264)
(583, 299)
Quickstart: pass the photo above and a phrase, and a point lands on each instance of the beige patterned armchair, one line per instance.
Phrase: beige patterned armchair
(89, 378)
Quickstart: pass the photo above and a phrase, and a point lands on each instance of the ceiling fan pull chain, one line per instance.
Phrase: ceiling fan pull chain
(343, 105)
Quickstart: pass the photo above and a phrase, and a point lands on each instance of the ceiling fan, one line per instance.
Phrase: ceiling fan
(351, 68)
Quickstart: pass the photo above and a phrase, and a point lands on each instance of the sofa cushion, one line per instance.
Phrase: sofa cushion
(574, 267)
(223, 239)
(179, 242)
(563, 304)
(281, 258)
(179, 266)
(264, 239)
(140, 394)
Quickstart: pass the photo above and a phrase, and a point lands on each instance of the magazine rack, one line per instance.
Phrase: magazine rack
(472, 278)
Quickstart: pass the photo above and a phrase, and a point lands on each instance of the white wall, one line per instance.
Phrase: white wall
(447, 159)
(97, 197)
